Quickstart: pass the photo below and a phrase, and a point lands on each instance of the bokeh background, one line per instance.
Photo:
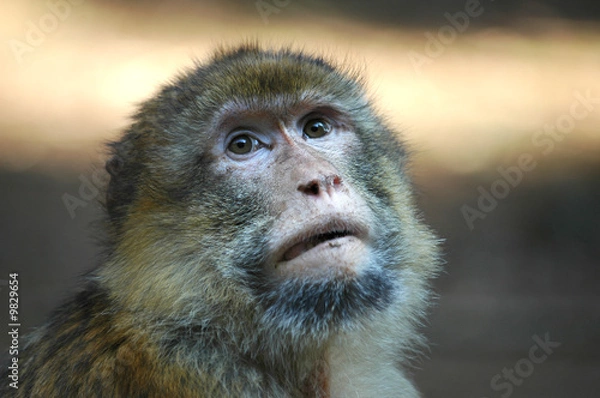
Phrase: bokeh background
(500, 100)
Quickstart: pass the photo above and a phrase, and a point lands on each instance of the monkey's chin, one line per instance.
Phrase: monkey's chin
(343, 255)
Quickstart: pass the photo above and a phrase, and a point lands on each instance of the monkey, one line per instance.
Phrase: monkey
(262, 240)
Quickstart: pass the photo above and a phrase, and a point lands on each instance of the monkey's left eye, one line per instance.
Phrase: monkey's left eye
(243, 144)
(316, 128)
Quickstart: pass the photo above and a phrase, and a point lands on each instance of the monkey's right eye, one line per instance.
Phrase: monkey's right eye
(242, 144)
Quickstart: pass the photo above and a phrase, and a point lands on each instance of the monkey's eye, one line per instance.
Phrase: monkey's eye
(242, 144)
(316, 128)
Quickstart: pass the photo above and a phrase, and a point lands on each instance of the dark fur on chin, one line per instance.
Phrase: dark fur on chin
(314, 308)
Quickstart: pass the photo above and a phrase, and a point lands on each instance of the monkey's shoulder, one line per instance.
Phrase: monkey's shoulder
(90, 347)
(84, 350)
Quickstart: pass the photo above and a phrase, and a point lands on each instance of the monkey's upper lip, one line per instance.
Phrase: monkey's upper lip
(314, 235)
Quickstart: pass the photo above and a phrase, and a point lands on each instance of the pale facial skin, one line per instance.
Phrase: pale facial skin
(322, 226)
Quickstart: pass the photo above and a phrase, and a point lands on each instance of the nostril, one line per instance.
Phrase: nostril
(317, 185)
(333, 180)
(312, 188)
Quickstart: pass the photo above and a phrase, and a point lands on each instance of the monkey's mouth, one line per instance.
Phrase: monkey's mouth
(331, 238)
(323, 247)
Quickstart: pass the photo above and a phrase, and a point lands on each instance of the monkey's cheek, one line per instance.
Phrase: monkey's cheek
(343, 256)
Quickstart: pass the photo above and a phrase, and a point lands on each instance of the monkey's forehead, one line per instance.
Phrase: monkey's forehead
(248, 70)
(259, 77)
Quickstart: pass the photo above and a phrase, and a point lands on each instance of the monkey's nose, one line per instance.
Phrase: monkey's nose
(320, 185)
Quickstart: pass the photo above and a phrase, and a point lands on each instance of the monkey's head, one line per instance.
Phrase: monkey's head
(262, 189)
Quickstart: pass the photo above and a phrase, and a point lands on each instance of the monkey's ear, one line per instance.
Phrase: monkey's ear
(124, 171)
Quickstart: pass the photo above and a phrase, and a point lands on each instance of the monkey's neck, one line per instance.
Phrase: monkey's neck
(301, 367)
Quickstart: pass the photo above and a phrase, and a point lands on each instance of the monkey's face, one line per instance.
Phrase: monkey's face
(298, 161)
(321, 262)
(265, 184)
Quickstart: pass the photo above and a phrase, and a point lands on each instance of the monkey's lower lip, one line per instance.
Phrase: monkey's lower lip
(306, 245)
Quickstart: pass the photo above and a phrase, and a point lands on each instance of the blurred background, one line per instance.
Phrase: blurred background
(500, 100)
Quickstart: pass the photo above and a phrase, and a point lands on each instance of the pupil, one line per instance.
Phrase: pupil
(242, 142)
